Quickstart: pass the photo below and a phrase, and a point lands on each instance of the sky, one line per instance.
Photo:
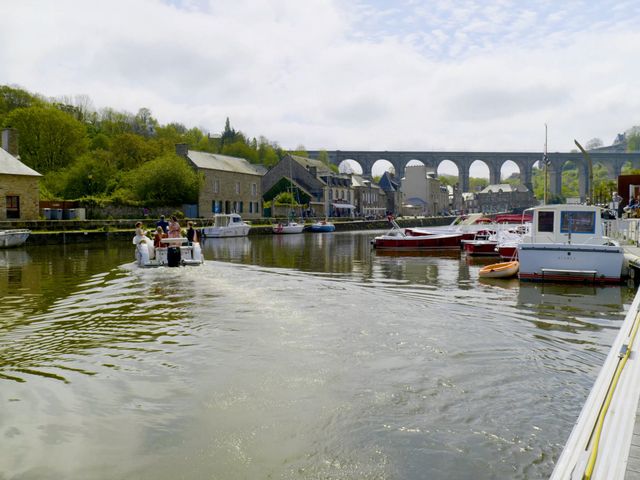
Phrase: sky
(465, 75)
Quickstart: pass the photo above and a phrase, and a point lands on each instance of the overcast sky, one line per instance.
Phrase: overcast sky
(361, 75)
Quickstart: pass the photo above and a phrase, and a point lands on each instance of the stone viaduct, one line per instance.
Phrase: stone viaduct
(612, 161)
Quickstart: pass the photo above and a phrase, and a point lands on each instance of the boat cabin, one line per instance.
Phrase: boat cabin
(566, 224)
(227, 220)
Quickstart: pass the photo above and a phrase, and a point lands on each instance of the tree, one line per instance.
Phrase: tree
(49, 139)
(12, 98)
(593, 143)
(633, 139)
(241, 150)
(89, 175)
(130, 150)
(228, 135)
(300, 151)
(166, 180)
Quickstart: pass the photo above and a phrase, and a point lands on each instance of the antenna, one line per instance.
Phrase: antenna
(545, 163)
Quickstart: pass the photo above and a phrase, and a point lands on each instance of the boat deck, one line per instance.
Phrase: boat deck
(633, 463)
(605, 442)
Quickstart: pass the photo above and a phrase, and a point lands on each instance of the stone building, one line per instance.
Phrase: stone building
(19, 188)
(505, 197)
(421, 186)
(327, 193)
(391, 187)
(231, 185)
(369, 199)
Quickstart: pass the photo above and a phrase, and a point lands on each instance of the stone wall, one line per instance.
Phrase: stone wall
(221, 186)
(24, 186)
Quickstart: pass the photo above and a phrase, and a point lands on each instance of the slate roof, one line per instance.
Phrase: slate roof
(211, 161)
(321, 167)
(10, 165)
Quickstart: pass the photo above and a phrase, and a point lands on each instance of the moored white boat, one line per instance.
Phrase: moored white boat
(14, 237)
(567, 243)
(289, 227)
(226, 225)
(175, 252)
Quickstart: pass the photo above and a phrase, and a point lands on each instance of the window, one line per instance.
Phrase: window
(578, 222)
(240, 206)
(238, 188)
(216, 186)
(250, 207)
(545, 221)
(254, 189)
(13, 206)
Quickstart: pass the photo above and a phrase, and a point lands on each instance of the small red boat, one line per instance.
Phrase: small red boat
(445, 241)
(398, 239)
(481, 247)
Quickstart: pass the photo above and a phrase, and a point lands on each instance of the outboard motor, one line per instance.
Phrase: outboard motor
(173, 256)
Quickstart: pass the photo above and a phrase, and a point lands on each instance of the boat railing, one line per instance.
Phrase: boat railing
(624, 230)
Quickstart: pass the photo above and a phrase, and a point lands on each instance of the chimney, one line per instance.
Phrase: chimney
(10, 141)
(182, 149)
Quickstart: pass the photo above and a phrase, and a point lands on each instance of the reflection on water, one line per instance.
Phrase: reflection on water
(293, 356)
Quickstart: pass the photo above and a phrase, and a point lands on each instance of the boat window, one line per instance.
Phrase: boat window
(545, 221)
(578, 222)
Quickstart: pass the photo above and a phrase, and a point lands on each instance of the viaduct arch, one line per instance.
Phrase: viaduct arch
(613, 162)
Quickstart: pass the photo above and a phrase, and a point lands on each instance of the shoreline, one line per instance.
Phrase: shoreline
(52, 232)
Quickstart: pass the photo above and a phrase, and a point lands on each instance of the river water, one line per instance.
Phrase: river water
(289, 357)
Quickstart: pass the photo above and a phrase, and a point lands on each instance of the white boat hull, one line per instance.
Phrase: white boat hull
(570, 262)
(13, 238)
(288, 228)
(148, 256)
(220, 232)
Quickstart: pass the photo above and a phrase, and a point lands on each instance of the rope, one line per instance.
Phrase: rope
(605, 407)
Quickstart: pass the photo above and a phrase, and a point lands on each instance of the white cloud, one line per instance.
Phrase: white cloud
(483, 76)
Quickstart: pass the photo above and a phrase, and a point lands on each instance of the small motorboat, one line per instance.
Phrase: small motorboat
(484, 243)
(14, 237)
(226, 225)
(289, 227)
(323, 226)
(500, 270)
(177, 252)
(397, 239)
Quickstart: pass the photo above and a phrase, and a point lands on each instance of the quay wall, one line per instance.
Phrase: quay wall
(45, 232)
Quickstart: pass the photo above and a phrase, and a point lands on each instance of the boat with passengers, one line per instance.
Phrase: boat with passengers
(173, 252)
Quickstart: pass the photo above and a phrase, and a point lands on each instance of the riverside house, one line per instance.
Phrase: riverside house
(19, 190)
(327, 193)
(231, 184)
